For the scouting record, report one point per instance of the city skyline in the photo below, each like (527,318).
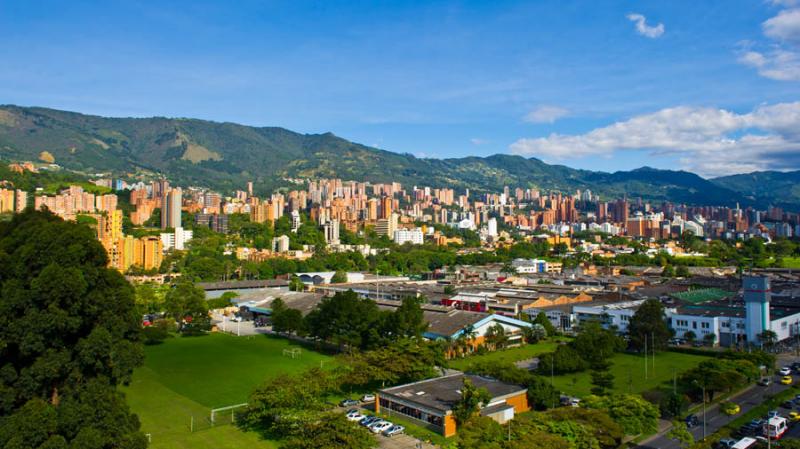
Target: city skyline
(609,87)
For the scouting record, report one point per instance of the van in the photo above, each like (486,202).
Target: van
(775,427)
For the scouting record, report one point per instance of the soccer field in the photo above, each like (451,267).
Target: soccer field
(185,377)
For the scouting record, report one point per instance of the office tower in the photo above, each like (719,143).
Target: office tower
(171,209)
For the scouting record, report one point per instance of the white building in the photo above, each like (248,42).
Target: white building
(280,244)
(413,236)
(492,227)
(176,240)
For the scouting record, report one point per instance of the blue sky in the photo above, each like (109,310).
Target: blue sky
(566,81)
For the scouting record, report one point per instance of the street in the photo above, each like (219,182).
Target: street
(715,420)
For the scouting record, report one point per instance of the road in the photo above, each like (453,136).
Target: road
(716,420)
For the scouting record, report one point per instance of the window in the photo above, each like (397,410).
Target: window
(694,324)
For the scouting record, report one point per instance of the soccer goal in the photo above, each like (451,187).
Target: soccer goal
(225,415)
(292,352)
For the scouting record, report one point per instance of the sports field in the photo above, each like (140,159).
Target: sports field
(629,373)
(185,377)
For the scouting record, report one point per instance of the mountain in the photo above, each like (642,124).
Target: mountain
(225,156)
(778,188)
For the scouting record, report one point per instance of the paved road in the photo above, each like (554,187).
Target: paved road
(716,420)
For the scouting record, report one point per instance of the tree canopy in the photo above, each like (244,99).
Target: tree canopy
(69,334)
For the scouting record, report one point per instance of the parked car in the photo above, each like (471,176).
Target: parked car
(772,414)
(725,443)
(785,371)
(368,398)
(794,416)
(357,416)
(786,380)
(394,430)
(764,381)
(348,403)
(787,404)
(368,420)
(692,421)
(380,427)
(376,422)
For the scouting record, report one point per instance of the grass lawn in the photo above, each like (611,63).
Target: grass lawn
(506,355)
(791,262)
(628,371)
(187,376)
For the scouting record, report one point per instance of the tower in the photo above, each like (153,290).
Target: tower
(756,302)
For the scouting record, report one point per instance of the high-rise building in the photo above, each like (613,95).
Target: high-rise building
(386,207)
(332,232)
(6,200)
(171,208)
(22,200)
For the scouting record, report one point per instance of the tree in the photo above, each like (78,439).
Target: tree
(633,413)
(331,431)
(286,320)
(534,333)
(340,277)
(682,271)
(186,304)
(408,320)
(542,320)
(596,345)
(603,380)
(480,432)
(648,326)
(709,339)
(472,399)
(296,285)
(680,433)
(495,337)
(69,336)
(768,338)
(564,360)
(346,320)
(668,271)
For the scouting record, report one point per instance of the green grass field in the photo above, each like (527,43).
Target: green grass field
(506,355)
(186,377)
(791,262)
(629,373)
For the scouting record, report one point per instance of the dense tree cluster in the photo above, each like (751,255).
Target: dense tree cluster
(562,428)
(591,348)
(69,335)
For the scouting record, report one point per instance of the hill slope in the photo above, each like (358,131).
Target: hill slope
(781,188)
(226,155)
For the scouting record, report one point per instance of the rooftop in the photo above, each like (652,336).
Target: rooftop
(443,393)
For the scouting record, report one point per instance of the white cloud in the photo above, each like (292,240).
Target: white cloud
(545,114)
(781,58)
(643,28)
(478,141)
(708,141)
(785,26)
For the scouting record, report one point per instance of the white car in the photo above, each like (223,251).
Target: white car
(381,426)
(394,430)
(368,398)
(785,371)
(375,423)
(355,417)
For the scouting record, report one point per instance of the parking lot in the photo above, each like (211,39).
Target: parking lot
(397,441)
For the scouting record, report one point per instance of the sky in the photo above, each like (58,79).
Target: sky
(708,86)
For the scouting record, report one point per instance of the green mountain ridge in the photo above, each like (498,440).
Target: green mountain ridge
(224,156)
